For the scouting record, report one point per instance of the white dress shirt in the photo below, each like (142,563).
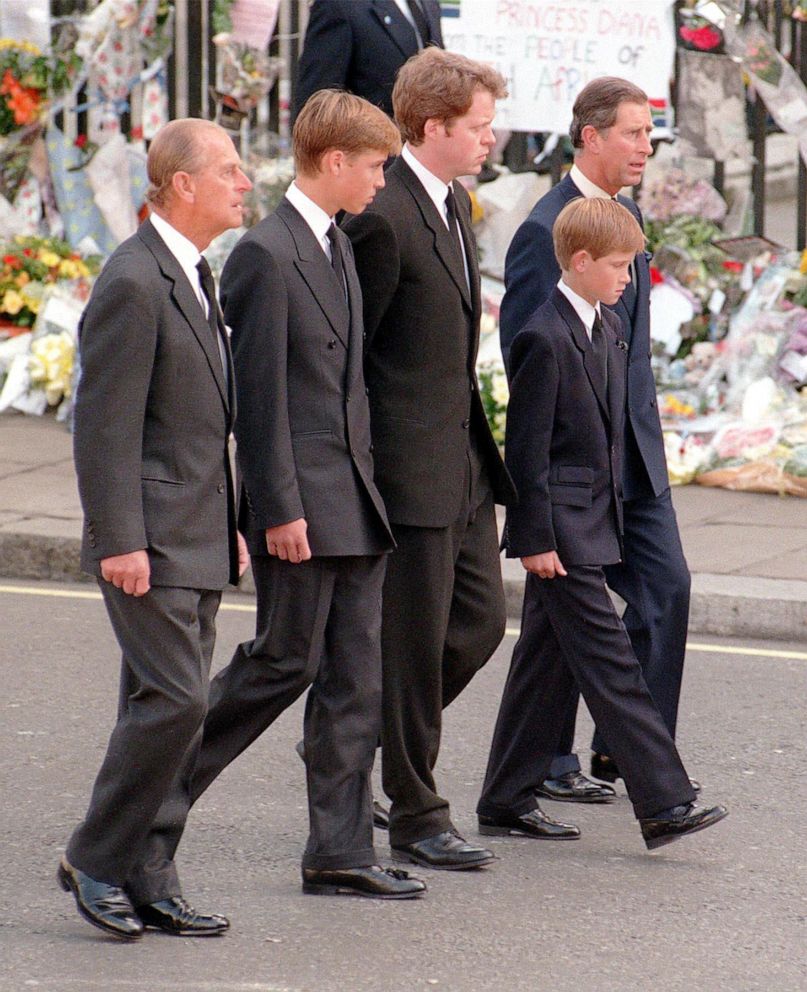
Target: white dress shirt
(584,310)
(313,215)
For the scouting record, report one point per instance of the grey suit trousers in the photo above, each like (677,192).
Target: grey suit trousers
(167,639)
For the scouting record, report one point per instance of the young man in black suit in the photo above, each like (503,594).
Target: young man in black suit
(154,411)
(359,45)
(437,465)
(314,521)
(610,132)
(563,447)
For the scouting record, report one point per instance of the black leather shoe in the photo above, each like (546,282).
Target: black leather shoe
(446,850)
(373,882)
(606,769)
(105,906)
(574,787)
(535,823)
(670,824)
(178,917)
(380,816)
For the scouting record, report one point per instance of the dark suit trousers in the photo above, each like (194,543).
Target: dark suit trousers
(571,636)
(654,581)
(444,616)
(318,624)
(167,639)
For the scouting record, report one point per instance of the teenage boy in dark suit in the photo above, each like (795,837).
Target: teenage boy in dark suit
(564,448)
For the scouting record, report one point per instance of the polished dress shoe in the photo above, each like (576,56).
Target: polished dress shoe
(105,906)
(606,768)
(447,851)
(670,824)
(178,917)
(380,813)
(535,823)
(574,787)
(372,881)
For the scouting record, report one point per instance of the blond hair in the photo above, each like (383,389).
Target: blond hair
(177,147)
(439,84)
(595,225)
(336,119)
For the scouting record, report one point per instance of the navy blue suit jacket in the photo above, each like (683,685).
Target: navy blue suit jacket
(359,45)
(532,272)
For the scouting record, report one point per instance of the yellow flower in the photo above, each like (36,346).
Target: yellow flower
(32,302)
(477,213)
(68,269)
(47,257)
(803,266)
(51,365)
(12,302)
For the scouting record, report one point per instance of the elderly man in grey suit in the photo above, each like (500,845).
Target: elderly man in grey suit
(154,411)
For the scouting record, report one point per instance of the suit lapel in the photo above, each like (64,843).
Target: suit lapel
(313,265)
(578,332)
(187,303)
(355,357)
(396,26)
(469,240)
(443,243)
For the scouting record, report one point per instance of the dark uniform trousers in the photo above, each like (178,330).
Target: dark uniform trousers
(448,581)
(571,636)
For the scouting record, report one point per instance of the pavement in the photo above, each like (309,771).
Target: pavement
(747,551)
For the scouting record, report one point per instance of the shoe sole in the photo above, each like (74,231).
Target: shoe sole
(185,933)
(597,800)
(65,882)
(405,858)
(491,831)
(656,842)
(317,889)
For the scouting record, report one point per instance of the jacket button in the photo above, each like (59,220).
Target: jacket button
(220,487)
(332,343)
(372,449)
(466,424)
(366,391)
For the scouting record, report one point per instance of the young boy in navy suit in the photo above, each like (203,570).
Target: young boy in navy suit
(563,449)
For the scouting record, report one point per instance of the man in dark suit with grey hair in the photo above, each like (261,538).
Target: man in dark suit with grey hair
(154,409)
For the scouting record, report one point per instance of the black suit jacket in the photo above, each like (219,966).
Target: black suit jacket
(564,439)
(422,325)
(154,410)
(359,45)
(303,431)
(532,272)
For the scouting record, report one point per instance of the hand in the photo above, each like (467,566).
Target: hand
(289,541)
(130,572)
(546,565)
(243,554)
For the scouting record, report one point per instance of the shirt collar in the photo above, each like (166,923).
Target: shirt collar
(185,251)
(312,214)
(585,185)
(436,189)
(584,310)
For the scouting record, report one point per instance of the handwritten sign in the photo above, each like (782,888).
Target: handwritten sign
(549,51)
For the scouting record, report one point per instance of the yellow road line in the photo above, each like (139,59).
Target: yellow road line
(512,631)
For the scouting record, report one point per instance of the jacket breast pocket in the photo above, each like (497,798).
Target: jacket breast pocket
(571,485)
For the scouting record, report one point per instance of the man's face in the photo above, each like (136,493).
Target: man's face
(605,278)
(463,143)
(219,186)
(361,176)
(624,148)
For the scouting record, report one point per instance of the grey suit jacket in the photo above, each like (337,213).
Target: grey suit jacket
(154,410)
(303,432)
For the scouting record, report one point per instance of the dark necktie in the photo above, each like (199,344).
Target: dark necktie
(336,259)
(599,348)
(420,21)
(209,289)
(454,231)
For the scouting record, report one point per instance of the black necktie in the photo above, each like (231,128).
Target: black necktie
(454,231)
(599,348)
(420,21)
(209,289)
(336,259)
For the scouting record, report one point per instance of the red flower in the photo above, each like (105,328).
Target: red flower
(655,276)
(80,141)
(703,38)
(731,266)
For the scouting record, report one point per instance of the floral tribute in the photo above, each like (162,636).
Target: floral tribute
(29,264)
(28,79)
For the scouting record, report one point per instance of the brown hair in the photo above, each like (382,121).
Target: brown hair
(595,225)
(177,147)
(439,84)
(598,102)
(336,119)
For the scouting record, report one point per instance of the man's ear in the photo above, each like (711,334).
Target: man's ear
(184,186)
(434,127)
(591,138)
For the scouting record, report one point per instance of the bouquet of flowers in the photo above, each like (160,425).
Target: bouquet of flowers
(29,264)
(28,78)
(495,394)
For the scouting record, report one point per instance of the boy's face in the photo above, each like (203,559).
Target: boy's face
(361,176)
(605,278)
